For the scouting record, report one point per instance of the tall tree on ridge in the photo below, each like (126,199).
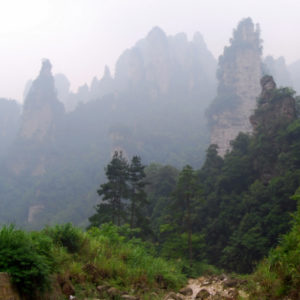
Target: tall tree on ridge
(137,194)
(185,197)
(116,189)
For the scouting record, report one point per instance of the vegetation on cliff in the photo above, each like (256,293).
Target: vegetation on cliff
(277,276)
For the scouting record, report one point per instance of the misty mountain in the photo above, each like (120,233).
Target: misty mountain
(153,106)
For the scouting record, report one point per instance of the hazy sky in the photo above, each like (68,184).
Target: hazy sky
(81,36)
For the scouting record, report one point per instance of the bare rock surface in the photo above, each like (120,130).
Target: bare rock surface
(213,288)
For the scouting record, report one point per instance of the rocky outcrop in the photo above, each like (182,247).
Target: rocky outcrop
(102,87)
(275,111)
(41,108)
(275,106)
(42,114)
(238,74)
(211,287)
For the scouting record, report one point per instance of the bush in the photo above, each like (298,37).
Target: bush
(66,236)
(20,257)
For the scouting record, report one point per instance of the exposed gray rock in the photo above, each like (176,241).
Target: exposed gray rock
(239,74)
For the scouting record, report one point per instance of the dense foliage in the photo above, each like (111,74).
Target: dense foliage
(27,258)
(123,195)
(65,256)
(231,211)
(277,276)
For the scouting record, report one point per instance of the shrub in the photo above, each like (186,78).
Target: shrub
(20,257)
(65,235)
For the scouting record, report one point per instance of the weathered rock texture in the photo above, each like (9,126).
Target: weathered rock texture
(7,291)
(239,73)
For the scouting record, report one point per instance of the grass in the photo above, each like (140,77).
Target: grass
(82,260)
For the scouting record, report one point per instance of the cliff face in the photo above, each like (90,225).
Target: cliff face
(238,74)
(41,114)
(41,107)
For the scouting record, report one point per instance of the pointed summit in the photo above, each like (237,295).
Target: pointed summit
(41,106)
(46,68)
(43,87)
(156,34)
(198,39)
(247,33)
(107,73)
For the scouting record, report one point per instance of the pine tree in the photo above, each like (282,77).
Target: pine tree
(137,194)
(113,192)
(185,198)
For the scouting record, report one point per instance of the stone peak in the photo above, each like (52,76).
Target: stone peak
(268,85)
(246,30)
(156,34)
(46,67)
(106,73)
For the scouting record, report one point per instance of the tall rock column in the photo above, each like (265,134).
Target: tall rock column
(42,112)
(238,74)
(41,107)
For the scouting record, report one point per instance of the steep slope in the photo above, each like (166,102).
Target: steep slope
(238,74)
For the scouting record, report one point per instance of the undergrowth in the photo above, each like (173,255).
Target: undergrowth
(79,261)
